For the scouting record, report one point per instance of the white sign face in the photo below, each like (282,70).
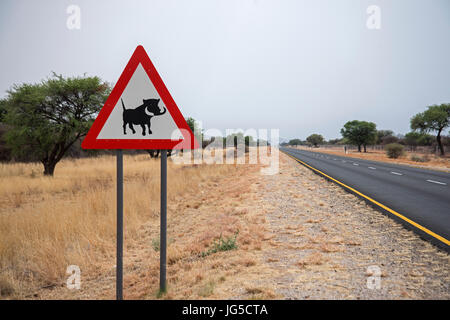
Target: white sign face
(140,113)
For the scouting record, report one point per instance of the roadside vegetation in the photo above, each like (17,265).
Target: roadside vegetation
(49,223)
(315,139)
(394,150)
(364,134)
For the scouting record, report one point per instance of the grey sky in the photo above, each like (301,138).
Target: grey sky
(301,66)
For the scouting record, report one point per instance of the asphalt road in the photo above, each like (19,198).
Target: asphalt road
(420,195)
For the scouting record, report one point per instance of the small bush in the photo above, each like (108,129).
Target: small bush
(155,244)
(222,245)
(394,150)
(417,158)
(207,289)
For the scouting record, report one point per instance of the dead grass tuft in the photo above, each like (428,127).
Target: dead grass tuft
(174,254)
(207,289)
(6,286)
(313,259)
(247,262)
(328,247)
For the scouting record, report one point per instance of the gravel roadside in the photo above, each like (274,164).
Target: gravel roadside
(329,244)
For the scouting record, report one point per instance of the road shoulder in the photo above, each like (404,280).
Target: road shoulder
(328,243)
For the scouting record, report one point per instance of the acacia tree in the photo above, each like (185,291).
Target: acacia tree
(360,133)
(315,139)
(435,118)
(414,139)
(46,118)
(295,142)
(381,134)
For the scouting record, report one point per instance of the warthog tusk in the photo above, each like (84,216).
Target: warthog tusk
(148,113)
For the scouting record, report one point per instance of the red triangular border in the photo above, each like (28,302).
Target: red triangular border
(91,141)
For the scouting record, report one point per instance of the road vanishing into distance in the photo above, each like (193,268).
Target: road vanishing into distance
(421,197)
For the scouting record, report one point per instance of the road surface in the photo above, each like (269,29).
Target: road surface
(420,197)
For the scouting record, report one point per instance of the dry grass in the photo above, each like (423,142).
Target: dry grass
(313,259)
(47,223)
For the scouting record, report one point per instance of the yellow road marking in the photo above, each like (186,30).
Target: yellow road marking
(415,224)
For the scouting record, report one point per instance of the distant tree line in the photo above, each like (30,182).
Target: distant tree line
(362,133)
(46,121)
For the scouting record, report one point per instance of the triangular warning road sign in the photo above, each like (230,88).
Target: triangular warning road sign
(140,113)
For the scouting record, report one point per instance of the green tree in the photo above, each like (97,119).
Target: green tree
(2,110)
(435,118)
(234,139)
(334,141)
(249,141)
(46,118)
(315,139)
(193,125)
(295,142)
(414,139)
(381,134)
(196,130)
(360,133)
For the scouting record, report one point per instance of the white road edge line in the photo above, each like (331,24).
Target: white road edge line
(399,174)
(438,182)
(372,168)
(355,164)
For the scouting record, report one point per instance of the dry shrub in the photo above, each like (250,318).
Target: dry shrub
(252,290)
(260,293)
(6,286)
(247,262)
(319,239)
(241,211)
(418,158)
(328,247)
(394,150)
(207,289)
(175,253)
(245,238)
(313,259)
(336,239)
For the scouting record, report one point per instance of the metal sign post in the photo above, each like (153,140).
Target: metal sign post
(119,254)
(163,230)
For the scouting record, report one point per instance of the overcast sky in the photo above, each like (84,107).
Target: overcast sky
(301,66)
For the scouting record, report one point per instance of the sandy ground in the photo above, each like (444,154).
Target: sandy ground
(300,237)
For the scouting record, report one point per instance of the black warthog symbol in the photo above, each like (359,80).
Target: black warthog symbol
(141,115)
